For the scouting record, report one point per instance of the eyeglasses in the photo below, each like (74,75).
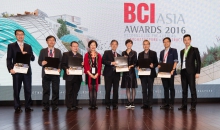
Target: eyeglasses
(19,34)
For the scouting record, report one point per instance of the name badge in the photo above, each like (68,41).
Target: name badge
(93,70)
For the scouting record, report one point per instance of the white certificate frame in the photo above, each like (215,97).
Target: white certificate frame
(144,71)
(21,68)
(164,75)
(75,71)
(51,71)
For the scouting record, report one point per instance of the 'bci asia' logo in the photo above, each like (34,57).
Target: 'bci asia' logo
(138,12)
(145,13)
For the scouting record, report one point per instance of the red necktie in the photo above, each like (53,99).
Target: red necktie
(114,54)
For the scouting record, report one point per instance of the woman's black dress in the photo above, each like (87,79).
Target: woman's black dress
(129,79)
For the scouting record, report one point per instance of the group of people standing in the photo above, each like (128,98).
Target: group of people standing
(92,63)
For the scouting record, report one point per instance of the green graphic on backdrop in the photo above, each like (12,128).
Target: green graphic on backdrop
(7,28)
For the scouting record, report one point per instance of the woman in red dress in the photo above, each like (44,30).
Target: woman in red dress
(92,69)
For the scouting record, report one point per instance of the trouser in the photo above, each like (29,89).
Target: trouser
(111,81)
(18,78)
(47,80)
(72,89)
(168,85)
(147,89)
(188,80)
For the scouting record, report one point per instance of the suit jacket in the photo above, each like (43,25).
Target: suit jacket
(153,57)
(13,48)
(44,53)
(107,58)
(193,61)
(65,65)
(171,58)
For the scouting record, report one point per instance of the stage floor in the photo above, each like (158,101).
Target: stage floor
(206,117)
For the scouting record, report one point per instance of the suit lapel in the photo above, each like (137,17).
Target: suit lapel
(162,54)
(46,52)
(169,53)
(190,51)
(142,55)
(71,53)
(17,47)
(25,48)
(181,54)
(112,55)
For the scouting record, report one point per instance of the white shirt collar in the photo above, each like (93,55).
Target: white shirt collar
(113,51)
(188,47)
(20,43)
(50,48)
(167,49)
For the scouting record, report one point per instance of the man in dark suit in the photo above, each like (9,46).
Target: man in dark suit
(147,81)
(73,82)
(47,79)
(190,70)
(168,55)
(18,78)
(111,77)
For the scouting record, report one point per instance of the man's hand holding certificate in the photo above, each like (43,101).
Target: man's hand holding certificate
(22,63)
(165,70)
(144,67)
(51,66)
(75,66)
(121,64)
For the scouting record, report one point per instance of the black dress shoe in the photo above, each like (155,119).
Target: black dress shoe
(18,110)
(192,109)
(107,107)
(149,107)
(90,107)
(182,108)
(28,109)
(96,107)
(115,107)
(55,108)
(171,107)
(78,107)
(46,109)
(144,107)
(164,106)
(71,109)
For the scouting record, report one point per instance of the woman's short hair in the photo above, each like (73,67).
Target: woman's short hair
(128,41)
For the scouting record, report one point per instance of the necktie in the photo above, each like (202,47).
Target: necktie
(51,53)
(114,54)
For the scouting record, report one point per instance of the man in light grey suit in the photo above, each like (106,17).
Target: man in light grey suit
(47,79)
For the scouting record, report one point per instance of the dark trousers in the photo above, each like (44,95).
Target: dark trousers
(147,89)
(168,85)
(17,82)
(109,82)
(188,80)
(47,80)
(72,89)
(92,95)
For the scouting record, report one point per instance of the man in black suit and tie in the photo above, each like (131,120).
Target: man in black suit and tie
(147,81)
(190,70)
(47,79)
(73,82)
(168,55)
(111,77)
(18,78)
